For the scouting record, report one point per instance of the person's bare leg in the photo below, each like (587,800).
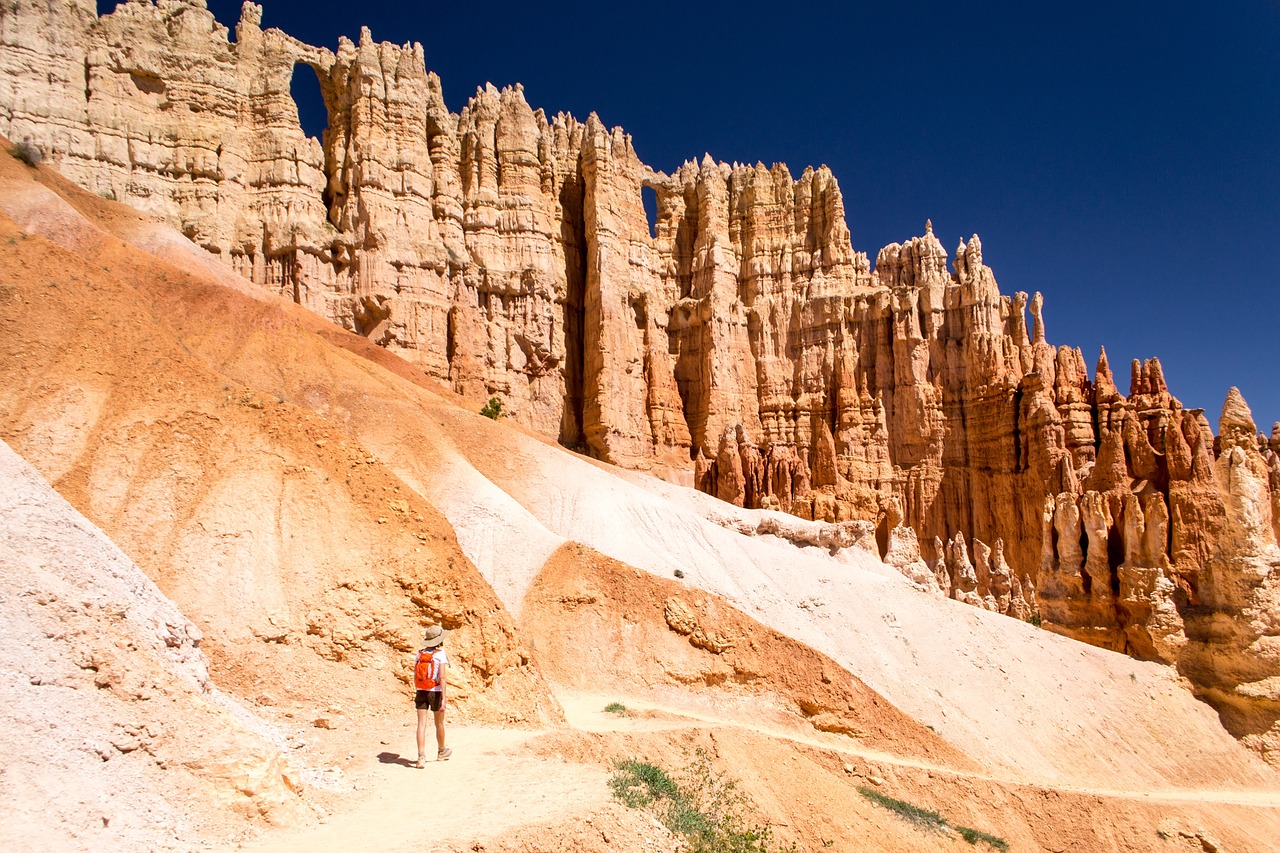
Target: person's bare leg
(440,730)
(422,731)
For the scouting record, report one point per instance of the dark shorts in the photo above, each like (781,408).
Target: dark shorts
(428,700)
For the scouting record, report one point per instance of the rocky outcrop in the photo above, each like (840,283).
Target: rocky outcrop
(738,339)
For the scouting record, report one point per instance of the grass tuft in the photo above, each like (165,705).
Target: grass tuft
(932,821)
(922,818)
(973,836)
(616,708)
(637,784)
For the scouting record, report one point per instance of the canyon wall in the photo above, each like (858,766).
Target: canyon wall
(738,339)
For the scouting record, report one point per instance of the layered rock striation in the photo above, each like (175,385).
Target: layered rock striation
(738,339)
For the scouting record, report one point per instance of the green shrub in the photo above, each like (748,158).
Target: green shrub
(708,812)
(27,153)
(1035,619)
(492,409)
(922,818)
(973,836)
(637,784)
(616,708)
(933,821)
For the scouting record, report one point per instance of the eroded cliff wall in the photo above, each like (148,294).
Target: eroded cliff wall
(739,338)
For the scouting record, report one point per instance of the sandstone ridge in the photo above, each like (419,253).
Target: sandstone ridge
(739,340)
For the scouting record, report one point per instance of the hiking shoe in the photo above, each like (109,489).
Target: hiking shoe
(422,762)
(443,755)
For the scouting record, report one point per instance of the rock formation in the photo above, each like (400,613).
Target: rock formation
(739,338)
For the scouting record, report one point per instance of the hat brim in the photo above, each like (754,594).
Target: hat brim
(433,642)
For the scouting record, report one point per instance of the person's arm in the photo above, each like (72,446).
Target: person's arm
(441,660)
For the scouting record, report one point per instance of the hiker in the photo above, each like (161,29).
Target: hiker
(429,679)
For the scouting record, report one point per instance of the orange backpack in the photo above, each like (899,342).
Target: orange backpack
(423,669)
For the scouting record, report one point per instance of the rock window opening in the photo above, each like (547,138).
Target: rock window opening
(649,198)
(313,115)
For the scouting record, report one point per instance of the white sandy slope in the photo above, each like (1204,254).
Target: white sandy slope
(109,731)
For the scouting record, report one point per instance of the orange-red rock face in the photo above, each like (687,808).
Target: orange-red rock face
(739,337)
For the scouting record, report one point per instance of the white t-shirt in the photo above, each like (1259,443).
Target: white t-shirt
(439,660)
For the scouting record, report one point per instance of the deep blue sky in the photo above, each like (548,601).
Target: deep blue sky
(1122,158)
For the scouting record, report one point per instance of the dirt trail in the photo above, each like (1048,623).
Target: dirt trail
(490,788)
(505,789)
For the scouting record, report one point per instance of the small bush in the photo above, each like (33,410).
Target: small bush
(616,708)
(679,573)
(1035,619)
(492,409)
(637,784)
(27,153)
(709,812)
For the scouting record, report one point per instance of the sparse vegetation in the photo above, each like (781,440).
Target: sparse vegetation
(922,818)
(616,708)
(932,821)
(973,836)
(1035,619)
(27,153)
(679,573)
(109,195)
(707,811)
(492,409)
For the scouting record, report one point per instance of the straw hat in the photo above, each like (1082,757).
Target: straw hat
(434,637)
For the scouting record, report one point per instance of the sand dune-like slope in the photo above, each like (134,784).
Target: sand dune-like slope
(601,626)
(110,732)
(310,500)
